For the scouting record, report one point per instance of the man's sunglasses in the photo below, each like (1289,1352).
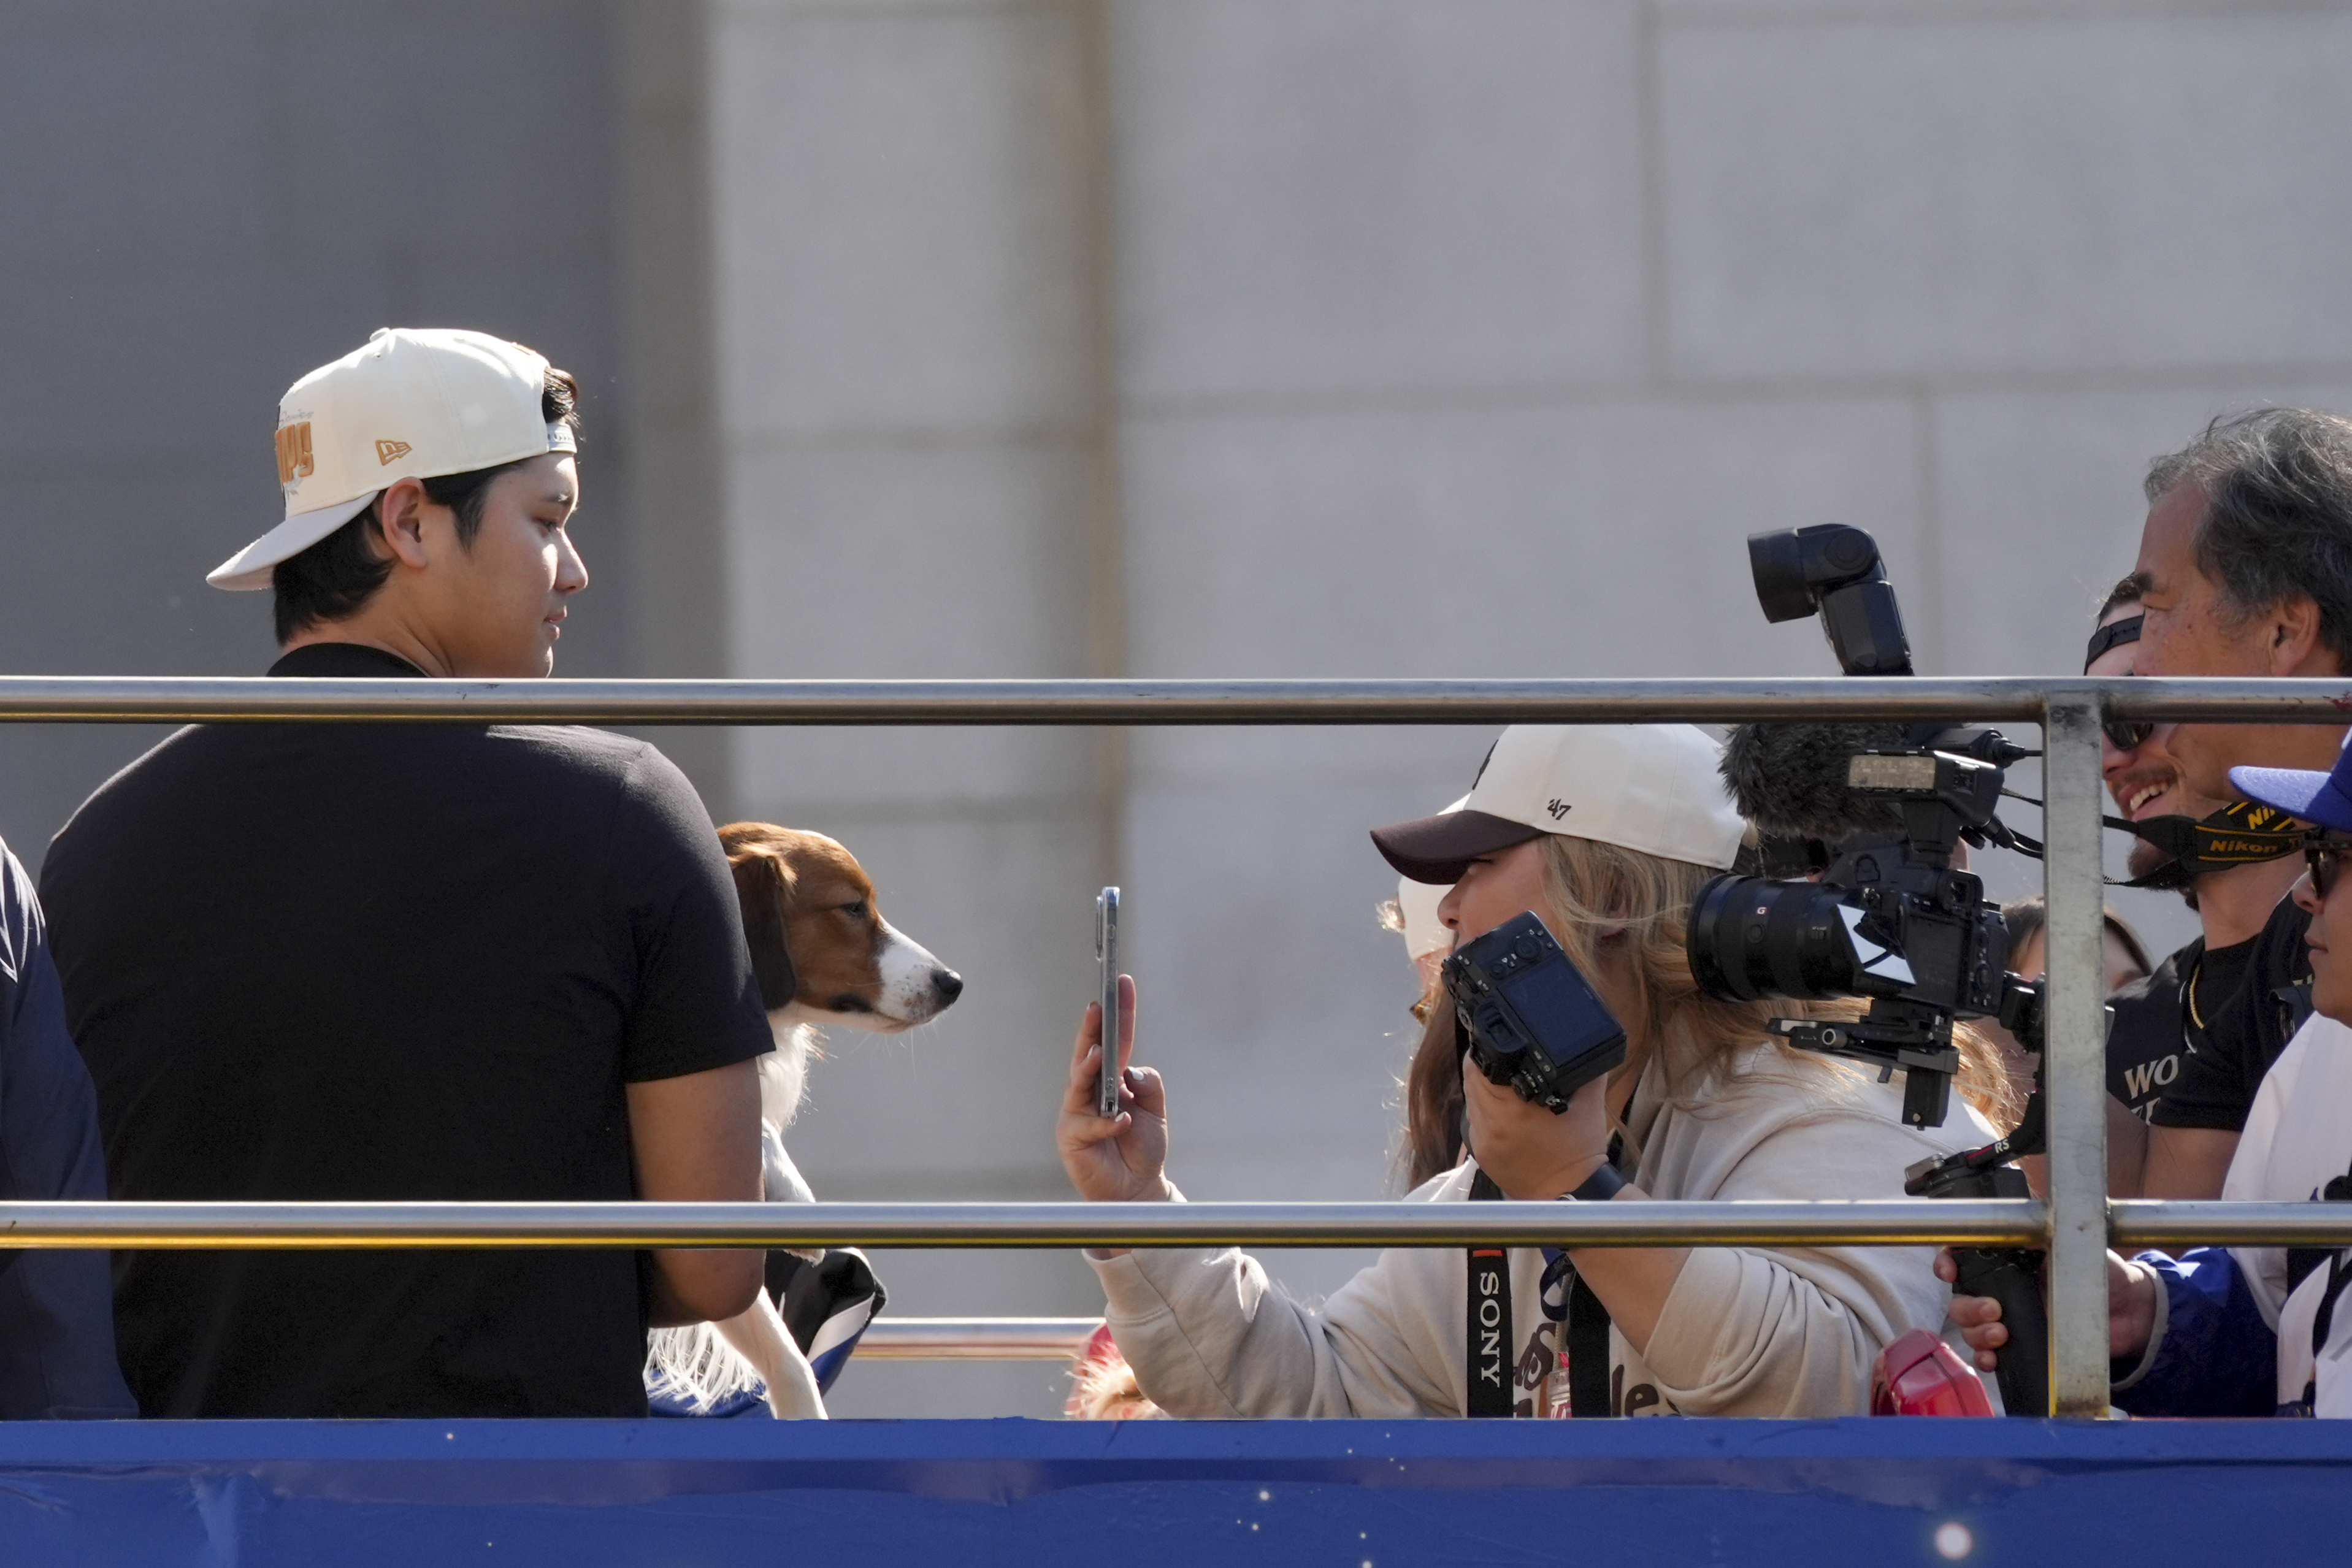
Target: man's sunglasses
(2123,734)
(2325,854)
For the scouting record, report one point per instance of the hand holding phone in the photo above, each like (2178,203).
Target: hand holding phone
(1107,958)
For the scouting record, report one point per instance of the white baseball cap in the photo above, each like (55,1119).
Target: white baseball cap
(415,403)
(1654,788)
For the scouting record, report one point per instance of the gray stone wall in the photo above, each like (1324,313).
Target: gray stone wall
(904,292)
(202,203)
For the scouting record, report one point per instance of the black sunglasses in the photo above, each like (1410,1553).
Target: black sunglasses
(2323,854)
(2123,734)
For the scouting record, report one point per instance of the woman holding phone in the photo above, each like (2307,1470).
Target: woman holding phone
(1605,832)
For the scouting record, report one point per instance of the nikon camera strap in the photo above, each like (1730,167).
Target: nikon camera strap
(1488,1350)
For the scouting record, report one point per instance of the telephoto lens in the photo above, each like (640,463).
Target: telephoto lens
(1750,938)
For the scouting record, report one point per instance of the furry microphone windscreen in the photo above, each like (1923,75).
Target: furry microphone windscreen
(1790,779)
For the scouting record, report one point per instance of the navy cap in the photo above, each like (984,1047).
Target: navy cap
(2322,798)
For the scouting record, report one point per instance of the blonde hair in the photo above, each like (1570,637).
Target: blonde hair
(1623,916)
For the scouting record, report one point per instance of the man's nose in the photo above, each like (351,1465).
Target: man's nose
(571,570)
(2305,896)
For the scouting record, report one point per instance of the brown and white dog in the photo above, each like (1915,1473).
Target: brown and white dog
(824,956)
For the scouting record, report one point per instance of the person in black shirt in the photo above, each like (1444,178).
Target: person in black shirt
(2240,1005)
(2153,1034)
(385,961)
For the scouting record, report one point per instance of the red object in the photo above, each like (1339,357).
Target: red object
(1105,1389)
(1919,1376)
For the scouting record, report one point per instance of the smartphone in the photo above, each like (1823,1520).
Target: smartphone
(1107,957)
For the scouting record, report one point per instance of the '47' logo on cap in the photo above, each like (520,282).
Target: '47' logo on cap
(1558,808)
(387,452)
(294,452)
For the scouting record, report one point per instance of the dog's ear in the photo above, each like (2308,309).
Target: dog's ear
(763,887)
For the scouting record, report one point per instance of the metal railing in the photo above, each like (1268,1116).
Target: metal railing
(2075,1225)
(975,1339)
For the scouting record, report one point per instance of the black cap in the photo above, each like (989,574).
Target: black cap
(2114,634)
(1440,849)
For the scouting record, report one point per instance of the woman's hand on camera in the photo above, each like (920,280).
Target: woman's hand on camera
(1531,1152)
(1121,1159)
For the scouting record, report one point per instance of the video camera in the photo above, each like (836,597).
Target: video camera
(1889,917)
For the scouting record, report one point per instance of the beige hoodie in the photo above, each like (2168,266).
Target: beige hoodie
(1792,1331)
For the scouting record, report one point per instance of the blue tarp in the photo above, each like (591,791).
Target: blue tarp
(1293,1494)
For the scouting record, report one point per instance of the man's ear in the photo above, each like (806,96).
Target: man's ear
(763,886)
(400,514)
(2295,648)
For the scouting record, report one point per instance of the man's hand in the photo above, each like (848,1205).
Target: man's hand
(1121,1159)
(2131,1312)
(1531,1152)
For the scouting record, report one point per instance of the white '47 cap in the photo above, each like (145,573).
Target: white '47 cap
(415,403)
(1654,788)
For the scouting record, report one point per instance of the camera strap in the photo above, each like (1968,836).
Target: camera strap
(2240,833)
(1488,1350)
(1584,1335)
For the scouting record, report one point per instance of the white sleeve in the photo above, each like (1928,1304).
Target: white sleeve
(1209,1335)
(2290,1145)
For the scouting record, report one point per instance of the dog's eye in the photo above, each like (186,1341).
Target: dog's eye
(854,911)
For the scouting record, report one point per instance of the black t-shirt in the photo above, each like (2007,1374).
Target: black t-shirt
(2145,1044)
(371,961)
(2238,1007)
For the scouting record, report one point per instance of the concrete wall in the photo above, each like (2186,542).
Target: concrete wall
(906,265)
(198,203)
(1444,338)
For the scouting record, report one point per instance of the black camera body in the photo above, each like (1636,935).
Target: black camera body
(1533,1022)
(1890,919)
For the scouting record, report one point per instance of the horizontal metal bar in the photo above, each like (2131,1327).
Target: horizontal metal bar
(2138,1223)
(183,699)
(974,1339)
(1987,1222)
(1890,1222)
(1984,1222)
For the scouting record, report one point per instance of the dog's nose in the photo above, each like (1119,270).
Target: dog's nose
(947,983)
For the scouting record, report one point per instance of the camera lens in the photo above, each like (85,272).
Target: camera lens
(1750,938)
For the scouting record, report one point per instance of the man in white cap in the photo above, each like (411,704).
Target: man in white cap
(397,961)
